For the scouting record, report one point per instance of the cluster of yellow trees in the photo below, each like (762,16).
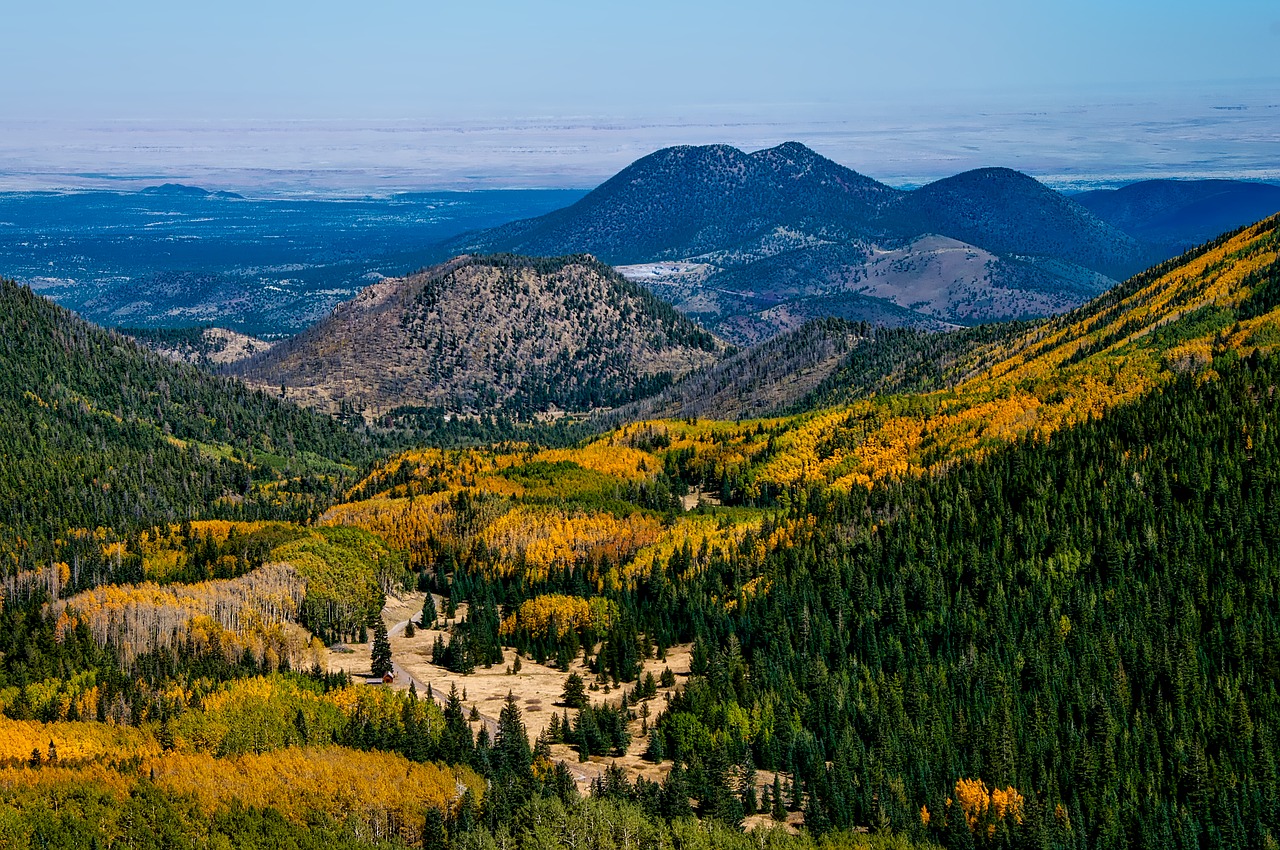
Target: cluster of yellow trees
(979,803)
(541,614)
(73,742)
(542,537)
(255,612)
(385,793)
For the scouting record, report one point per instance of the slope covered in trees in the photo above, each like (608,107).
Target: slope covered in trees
(483,334)
(1083,619)
(1020,594)
(757,381)
(95,431)
(752,245)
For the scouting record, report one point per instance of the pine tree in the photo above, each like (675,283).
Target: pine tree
(656,751)
(434,836)
(575,691)
(511,747)
(381,649)
(456,742)
(779,810)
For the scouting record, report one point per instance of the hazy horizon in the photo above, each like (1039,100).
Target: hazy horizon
(313,98)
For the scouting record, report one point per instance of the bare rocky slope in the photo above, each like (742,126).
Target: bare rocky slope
(521,335)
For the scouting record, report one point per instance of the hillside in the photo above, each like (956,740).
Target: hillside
(1177,214)
(753,245)
(1010,214)
(1013,589)
(688,201)
(208,348)
(97,432)
(481,334)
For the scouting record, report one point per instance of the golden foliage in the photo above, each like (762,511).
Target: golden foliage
(566,613)
(386,792)
(255,612)
(704,536)
(607,458)
(975,801)
(542,538)
(75,742)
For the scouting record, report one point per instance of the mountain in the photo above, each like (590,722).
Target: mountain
(688,201)
(1010,214)
(752,245)
(479,334)
(1177,214)
(98,432)
(182,190)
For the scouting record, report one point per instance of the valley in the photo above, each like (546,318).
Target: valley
(593,426)
(856,586)
(263,267)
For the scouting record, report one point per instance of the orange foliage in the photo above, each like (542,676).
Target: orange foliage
(975,801)
(545,537)
(75,742)
(410,523)
(386,792)
(706,537)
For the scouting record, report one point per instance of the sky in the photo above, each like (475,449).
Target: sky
(90,84)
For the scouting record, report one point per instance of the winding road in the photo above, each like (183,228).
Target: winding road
(491,724)
(403,675)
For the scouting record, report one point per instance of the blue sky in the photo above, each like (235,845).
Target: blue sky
(236,59)
(287,97)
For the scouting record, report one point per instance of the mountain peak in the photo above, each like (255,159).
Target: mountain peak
(684,201)
(789,150)
(524,334)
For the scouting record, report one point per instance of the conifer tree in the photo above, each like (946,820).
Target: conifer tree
(381,649)
(511,746)
(575,691)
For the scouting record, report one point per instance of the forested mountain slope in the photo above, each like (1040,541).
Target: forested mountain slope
(1178,214)
(752,245)
(1083,621)
(756,381)
(1019,595)
(481,334)
(95,431)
